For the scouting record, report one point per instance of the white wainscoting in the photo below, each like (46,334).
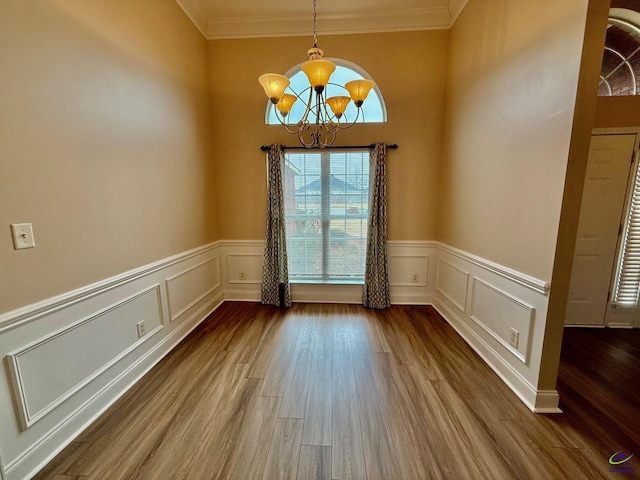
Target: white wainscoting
(189,287)
(242,275)
(490,306)
(82,350)
(67,359)
(70,357)
(483,301)
(452,282)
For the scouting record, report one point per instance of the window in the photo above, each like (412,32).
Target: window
(326,196)
(372,110)
(620,74)
(627,280)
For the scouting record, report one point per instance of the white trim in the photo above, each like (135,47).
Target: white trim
(394,20)
(537,401)
(426,270)
(413,243)
(3,475)
(195,14)
(584,326)
(66,422)
(243,282)
(615,131)
(168,281)
(547,402)
(455,9)
(403,298)
(524,358)
(29,313)
(242,295)
(242,243)
(447,295)
(533,283)
(28,418)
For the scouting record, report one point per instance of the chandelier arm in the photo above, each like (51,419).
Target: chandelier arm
(306,128)
(338,85)
(286,125)
(346,125)
(308,105)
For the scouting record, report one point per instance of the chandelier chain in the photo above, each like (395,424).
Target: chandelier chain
(315,28)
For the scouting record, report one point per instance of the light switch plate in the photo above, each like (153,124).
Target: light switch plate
(22,234)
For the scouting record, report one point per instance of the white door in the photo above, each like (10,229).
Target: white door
(603,202)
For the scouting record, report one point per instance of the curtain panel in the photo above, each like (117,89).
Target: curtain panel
(376,275)
(275,276)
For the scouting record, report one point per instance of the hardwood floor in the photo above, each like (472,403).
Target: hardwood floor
(341,392)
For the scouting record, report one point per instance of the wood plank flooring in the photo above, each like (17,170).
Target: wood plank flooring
(341,392)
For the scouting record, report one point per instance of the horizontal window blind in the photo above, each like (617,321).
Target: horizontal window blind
(326,196)
(627,281)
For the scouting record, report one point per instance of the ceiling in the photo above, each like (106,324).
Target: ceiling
(218,19)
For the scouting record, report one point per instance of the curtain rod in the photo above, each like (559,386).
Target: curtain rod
(393,146)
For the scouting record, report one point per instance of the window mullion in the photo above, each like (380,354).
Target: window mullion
(325,165)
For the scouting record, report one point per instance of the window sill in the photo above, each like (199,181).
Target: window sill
(326,282)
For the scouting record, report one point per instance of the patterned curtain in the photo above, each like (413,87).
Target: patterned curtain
(376,276)
(275,275)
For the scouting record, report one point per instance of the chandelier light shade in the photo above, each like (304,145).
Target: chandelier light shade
(286,103)
(274,85)
(359,89)
(338,105)
(323,117)
(318,71)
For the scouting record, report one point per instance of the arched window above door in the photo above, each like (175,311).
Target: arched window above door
(620,74)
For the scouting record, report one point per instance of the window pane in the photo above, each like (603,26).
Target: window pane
(620,71)
(301,184)
(326,200)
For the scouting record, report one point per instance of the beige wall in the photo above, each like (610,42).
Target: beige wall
(105,134)
(617,112)
(410,71)
(511,96)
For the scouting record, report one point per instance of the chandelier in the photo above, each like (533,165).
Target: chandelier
(323,117)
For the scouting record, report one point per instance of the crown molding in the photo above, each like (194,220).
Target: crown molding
(455,8)
(195,14)
(260,26)
(299,25)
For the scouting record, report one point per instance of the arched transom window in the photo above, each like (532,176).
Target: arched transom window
(373,109)
(620,74)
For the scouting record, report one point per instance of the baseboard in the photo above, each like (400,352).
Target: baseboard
(411,298)
(536,401)
(242,295)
